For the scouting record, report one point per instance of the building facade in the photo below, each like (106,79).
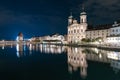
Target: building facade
(77,59)
(50,39)
(19,37)
(99,31)
(114,38)
(77,31)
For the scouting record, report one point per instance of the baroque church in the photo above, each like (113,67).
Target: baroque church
(77,29)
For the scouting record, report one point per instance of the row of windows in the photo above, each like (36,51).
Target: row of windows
(102,31)
(114,39)
(75,31)
(98,34)
(75,58)
(115,30)
(115,64)
(72,37)
(93,37)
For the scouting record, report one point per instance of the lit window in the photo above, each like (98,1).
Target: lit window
(113,30)
(68,32)
(116,30)
(81,30)
(74,58)
(71,32)
(74,31)
(77,31)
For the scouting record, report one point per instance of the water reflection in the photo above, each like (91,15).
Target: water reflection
(104,56)
(30,48)
(46,48)
(116,65)
(99,55)
(77,59)
(19,48)
(113,55)
(54,49)
(3,46)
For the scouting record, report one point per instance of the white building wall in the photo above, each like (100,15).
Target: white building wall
(92,34)
(115,30)
(76,32)
(114,37)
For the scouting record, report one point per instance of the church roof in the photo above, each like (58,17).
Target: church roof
(83,13)
(20,34)
(71,16)
(99,27)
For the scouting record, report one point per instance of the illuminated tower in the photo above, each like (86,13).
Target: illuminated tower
(20,37)
(77,31)
(70,20)
(83,18)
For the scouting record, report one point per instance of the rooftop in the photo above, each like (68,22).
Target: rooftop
(99,27)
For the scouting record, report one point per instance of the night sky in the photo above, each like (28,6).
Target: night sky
(46,17)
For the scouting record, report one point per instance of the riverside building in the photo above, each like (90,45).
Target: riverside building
(76,30)
(81,30)
(99,31)
(114,38)
(56,38)
(19,37)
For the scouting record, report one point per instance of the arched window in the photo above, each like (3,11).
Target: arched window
(81,20)
(74,31)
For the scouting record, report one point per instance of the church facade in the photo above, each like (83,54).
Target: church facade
(81,30)
(77,30)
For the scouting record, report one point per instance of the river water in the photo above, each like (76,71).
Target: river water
(51,62)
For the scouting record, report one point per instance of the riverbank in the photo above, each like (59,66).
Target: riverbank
(70,45)
(100,46)
(92,46)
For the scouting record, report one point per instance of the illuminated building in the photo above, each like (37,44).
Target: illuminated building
(20,37)
(116,65)
(115,29)
(113,55)
(76,31)
(99,31)
(56,38)
(77,59)
(19,50)
(114,38)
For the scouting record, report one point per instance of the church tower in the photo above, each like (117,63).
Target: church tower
(83,18)
(70,20)
(77,31)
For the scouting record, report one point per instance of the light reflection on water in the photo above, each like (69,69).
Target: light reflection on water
(77,57)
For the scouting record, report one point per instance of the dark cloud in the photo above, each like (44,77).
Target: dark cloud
(105,11)
(44,17)
(30,24)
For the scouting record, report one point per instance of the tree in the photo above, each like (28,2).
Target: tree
(86,40)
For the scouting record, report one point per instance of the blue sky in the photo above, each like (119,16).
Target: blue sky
(46,17)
